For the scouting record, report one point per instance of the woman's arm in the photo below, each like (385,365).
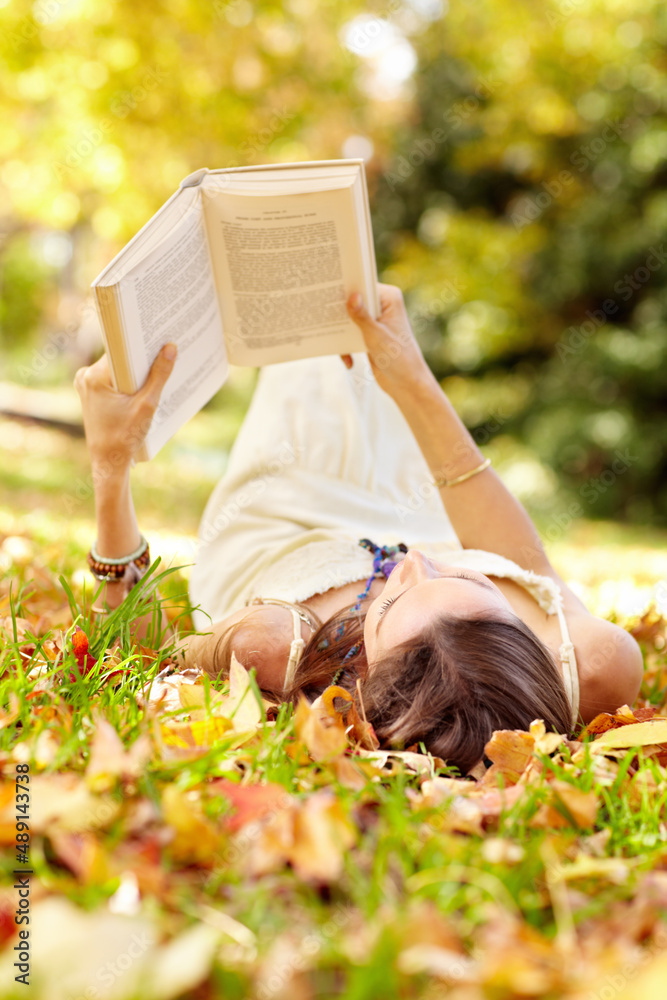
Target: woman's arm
(483,512)
(116,426)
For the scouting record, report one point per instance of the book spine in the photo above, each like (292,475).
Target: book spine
(116,347)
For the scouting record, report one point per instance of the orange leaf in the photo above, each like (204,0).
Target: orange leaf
(251,802)
(510,750)
(322,834)
(79,644)
(323,736)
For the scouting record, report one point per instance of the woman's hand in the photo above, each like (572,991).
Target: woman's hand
(116,424)
(395,356)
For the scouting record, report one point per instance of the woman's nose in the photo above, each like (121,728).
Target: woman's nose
(416,567)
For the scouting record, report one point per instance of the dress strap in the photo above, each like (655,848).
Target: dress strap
(568,662)
(299,614)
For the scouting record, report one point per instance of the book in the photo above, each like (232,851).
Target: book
(243,266)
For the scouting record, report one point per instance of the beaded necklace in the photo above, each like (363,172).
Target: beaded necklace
(385,558)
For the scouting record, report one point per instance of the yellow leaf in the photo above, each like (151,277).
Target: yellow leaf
(324,736)
(389,761)
(643,734)
(196,839)
(241,706)
(200,733)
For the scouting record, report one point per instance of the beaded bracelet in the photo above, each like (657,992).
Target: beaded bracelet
(108,569)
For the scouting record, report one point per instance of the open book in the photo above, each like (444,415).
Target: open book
(248,266)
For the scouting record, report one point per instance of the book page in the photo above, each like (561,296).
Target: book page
(170,296)
(284,267)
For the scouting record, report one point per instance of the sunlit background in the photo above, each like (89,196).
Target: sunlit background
(516,159)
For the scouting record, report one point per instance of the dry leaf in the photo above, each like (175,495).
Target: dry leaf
(578,808)
(196,840)
(337,701)
(241,705)
(390,761)
(109,760)
(198,735)
(323,735)
(312,836)
(251,802)
(322,835)
(510,750)
(641,734)
(62,801)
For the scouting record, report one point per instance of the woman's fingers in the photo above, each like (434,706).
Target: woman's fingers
(98,374)
(347,360)
(370,327)
(393,352)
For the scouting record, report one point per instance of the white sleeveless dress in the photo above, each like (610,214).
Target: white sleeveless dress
(324,458)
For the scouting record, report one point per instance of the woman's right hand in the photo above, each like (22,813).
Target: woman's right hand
(395,356)
(116,424)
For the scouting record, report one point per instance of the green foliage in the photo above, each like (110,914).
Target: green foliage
(517,187)
(523,212)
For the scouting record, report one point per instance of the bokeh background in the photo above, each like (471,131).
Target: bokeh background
(516,157)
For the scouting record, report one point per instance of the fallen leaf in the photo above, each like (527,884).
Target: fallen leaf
(312,836)
(63,801)
(577,808)
(641,734)
(109,760)
(323,735)
(251,802)
(194,735)
(337,701)
(391,761)
(322,835)
(84,661)
(510,750)
(241,706)
(196,840)
(623,717)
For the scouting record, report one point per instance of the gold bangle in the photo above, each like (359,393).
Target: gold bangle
(466,475)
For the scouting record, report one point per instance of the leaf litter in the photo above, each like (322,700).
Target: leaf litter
(188,839)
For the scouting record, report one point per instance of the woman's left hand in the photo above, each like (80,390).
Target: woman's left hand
(116,424)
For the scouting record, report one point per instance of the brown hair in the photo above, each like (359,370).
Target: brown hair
(448,688)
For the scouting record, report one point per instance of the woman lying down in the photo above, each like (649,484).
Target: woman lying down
(359,535)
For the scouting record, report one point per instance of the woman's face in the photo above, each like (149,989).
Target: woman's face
(417,592)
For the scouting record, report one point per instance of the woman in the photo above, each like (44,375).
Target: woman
(449,623)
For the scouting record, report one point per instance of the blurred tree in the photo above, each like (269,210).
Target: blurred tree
(105,107)
(523,211)
(517,184)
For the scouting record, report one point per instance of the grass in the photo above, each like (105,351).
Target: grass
(208,847)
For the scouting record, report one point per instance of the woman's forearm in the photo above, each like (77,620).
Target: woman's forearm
(117,529)
(483,512)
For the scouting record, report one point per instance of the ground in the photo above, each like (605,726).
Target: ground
(188,841)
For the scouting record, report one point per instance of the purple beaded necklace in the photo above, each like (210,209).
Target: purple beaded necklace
(384,561)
